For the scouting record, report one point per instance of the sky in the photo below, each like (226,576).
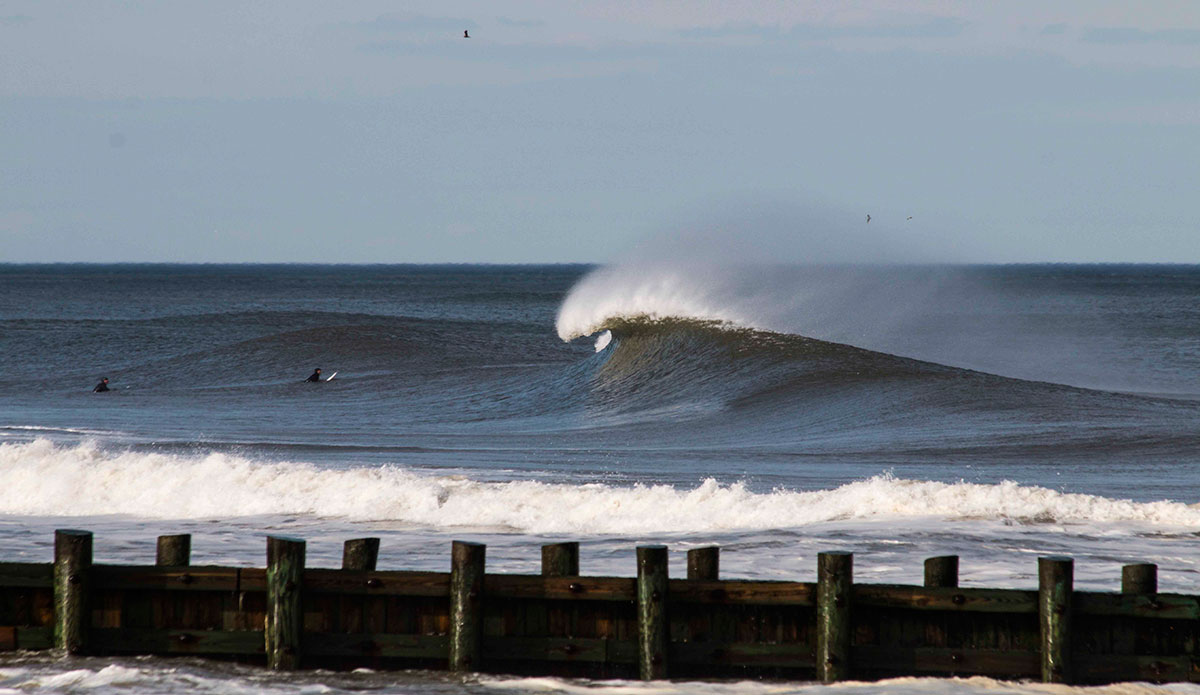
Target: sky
(564,131)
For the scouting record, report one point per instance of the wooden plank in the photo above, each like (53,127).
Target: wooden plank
(654,634)
(562,649)
(946,598)
(35,638)
(835,580)
(466,605)
(34,575)
(285,585)
(1001,663)
(252,579)
(360,554)
(1055,588)
(174,551)
(1109,668)
(145,578)
(156,641)
(732,654)
(376,645)
(763,593)
(704,563)
(369,583)
(1173,606)
(8,639)
(504,586)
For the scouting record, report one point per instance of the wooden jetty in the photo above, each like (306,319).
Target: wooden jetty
(288,616)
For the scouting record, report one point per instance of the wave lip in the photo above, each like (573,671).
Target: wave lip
(43,478)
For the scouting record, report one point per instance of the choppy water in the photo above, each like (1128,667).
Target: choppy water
(994,412)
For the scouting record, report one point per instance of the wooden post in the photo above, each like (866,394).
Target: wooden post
(1055,585)
(941,572)
(835,577)
(653,628)
(174,551)
(560,560)
(285,621)
(360,554)
(1141,578)
(466,605)
(72,589)
(704,563)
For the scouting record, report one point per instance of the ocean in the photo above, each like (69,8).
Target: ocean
(994,412)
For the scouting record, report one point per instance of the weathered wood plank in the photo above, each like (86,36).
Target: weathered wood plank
(1173,606)
(33,575)
(1000,663)
(835,577)
(360,554)
(504,586)
(946,599)
(704,563)
(372,583)
(760,654)
(377,645)
(174,551)
(1055,586)
(941,571)
(763,593)
(147,578)
(560,559)
(1140,578)
(157,641)
(35,638)
(561,649)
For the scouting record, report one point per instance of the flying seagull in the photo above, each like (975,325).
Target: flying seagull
(868,219)
(910,217)
(465,34)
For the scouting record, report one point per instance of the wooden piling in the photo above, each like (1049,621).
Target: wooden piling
(72,589)
(174,551)
(285,621)
(466,605)
(1055,586)
(560,560)
(835,576)
(704,563)
(653,628)
(941,572)
(1141,578)
(360,554)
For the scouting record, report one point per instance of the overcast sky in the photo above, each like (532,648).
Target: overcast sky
(562,131)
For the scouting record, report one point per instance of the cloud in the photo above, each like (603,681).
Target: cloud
(1129,35)
(1054,29)
(13,20)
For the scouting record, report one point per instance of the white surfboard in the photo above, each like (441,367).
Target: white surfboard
(331,376)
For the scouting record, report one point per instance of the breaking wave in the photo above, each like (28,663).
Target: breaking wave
(43,478)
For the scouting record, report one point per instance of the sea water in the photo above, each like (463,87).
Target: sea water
(994,412)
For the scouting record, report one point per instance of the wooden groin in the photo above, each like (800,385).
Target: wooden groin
(288,616)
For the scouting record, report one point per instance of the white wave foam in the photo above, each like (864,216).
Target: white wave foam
(44,479)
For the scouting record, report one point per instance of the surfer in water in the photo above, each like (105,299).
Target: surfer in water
(315,376)
(102,386)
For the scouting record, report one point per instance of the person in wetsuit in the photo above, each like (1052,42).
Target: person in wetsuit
(315,376)
(102,386)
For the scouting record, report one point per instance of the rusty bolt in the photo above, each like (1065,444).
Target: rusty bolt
(74,578)
(185,578)
(839,600)
(184,638)
(655,596)
(656,659)
(958,599)
(374,583)
(473,594)
(570,649)
(575,588)
(956,658)
(1060,609)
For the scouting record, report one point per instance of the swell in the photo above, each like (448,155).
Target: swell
(43,478)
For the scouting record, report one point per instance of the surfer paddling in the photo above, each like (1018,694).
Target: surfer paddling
(102,386)
(315,376)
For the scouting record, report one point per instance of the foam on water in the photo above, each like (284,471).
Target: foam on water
(44,478)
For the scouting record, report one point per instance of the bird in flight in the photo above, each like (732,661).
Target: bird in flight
(910,217)
(868,219)
(465,34)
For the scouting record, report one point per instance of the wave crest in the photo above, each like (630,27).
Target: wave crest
(42,478)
